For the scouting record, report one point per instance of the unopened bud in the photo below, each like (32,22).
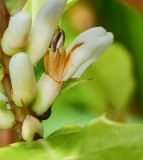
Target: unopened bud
(23,79)
(15,36)
(30,127)
(7,118)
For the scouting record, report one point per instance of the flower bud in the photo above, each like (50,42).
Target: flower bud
(14,6)
(44,28)
(86,49)
(22,79)
(48,89)
(15,36)
(30,127)
(7,117)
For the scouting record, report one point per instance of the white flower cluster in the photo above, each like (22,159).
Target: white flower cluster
(27,44)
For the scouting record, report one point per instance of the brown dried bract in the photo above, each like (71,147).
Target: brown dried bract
(56,63)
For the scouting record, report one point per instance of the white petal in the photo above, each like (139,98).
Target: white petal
(14,38)
(44,28)
(94,47)
(23,79)
(48,89)
(89,34)
(30,127)
(83,67)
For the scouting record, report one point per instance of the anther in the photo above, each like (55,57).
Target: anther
(58,40)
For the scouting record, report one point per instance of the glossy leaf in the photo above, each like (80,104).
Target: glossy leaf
(100,139)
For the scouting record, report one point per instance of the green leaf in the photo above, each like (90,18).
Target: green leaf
(101,139)
(64,114)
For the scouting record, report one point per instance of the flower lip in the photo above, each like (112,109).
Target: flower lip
(87,53)
(86,36)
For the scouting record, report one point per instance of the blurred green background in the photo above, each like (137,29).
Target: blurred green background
(115,87)
(112,87)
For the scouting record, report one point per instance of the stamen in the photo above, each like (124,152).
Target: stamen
(58,40)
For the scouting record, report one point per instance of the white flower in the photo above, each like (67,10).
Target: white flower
(84,50)
(61,64)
